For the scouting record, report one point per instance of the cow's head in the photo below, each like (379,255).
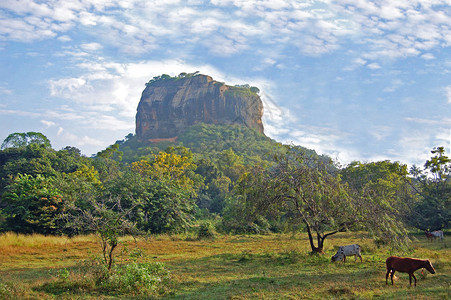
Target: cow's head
(337,257)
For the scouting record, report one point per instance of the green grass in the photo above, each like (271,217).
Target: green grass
(273,266)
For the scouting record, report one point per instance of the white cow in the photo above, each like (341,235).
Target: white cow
(348,250)
(438,234)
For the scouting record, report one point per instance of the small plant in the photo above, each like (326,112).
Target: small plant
(341,291)
(93,276)
(290,257)
(139,278)
(206,231)
(6,291)
(63,274)
(245,256)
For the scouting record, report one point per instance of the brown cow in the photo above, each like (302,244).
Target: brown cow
(406,265)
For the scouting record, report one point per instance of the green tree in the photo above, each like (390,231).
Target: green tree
(79,189)
(384,198)
(433,187)
(217,186)
(17,140)
(307,192)
(301,190)
(230,164)
(105,218)
(107,163)
(166,192)
(37,159)
(246,208)
(32,205)
(219,190)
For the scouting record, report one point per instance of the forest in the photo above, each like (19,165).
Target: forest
(216,179)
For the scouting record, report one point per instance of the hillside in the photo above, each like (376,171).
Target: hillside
(208,140)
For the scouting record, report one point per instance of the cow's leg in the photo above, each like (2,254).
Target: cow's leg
(344,258)
(415,284)
(386,276)
(392,274)
(361,260)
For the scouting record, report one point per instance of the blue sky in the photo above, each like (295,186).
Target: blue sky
(353,79)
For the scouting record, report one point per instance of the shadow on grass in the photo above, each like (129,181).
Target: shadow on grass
(272,276)
(300,285)
(279,275)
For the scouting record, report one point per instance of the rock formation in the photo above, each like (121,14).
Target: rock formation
(169,105)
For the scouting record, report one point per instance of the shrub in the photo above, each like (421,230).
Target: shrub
(149,279)
(290,257)
(206,231)
(6,292)
(140,278)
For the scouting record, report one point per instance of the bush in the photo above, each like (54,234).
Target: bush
(140,278)
(149,279)
(206,231)
(6,292)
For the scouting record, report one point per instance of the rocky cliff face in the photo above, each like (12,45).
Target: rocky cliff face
(168,105)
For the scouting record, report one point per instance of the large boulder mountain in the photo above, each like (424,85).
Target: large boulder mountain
(169,105)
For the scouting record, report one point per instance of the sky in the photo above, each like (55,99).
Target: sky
(355,80)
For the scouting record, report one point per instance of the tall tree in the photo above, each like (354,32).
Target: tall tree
(166,191)
(305,192)
(104,217)
(17,140)
(433,186)
(107,163)
(384,198)
(32,205)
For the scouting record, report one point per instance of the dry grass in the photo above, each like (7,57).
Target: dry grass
(235,267)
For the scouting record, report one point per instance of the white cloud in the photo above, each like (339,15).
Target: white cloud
(80,141)
(386,28)
(428,56)
(448,93)
(417,141)
(444,121)
(395,85)
(48,123)
(374,66)
(91,46)
(5,91)
(66,86)
(22,113)
(381,132)
(64,38)
(325,141)
(359,61)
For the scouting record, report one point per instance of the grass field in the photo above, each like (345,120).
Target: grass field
(275,266)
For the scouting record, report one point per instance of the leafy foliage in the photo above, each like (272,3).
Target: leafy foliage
(17,140)
(32,204)
(234,174)
(433,209)
(295,190)
(139,279)
(384,198)
(107,220)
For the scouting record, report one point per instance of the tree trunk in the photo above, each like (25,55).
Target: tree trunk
(110,262)
(320,242)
